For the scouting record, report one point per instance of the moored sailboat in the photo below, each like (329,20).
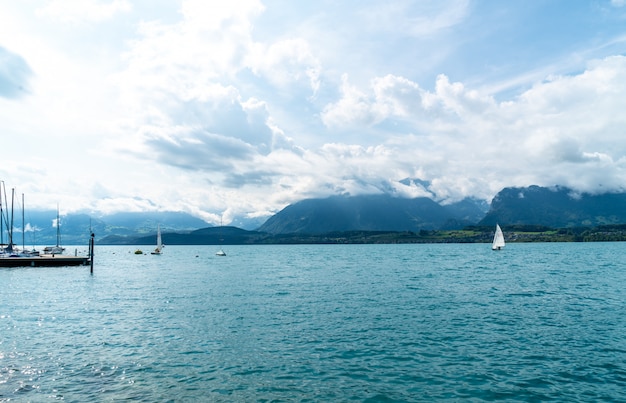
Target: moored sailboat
(57,249)
(10,256)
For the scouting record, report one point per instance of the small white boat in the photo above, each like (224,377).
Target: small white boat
(498,239)
(220,252)
(159,244)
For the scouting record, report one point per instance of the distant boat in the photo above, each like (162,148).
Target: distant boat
(159,244)
(221,251)
(138,252)
(498,239)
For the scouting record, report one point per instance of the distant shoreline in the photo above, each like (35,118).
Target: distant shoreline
(470,234)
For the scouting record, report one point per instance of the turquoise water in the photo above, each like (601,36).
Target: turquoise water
(330,323)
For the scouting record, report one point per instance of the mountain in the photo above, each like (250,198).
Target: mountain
(557,207)
(205,236)
(248,223)
(465,212)
(146,222)
(371,213)
(76,227)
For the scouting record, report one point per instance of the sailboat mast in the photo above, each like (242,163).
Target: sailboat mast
(58,227)
(5,214)
(23,226)
(12,216)
(1,216)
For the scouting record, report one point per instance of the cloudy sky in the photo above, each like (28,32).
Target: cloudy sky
(239,108)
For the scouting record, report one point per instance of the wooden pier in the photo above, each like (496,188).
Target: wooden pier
(44,261)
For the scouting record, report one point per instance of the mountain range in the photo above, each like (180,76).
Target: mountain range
(40,226)
(557,207)
(373,213)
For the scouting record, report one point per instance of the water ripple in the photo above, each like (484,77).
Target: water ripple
(369,323)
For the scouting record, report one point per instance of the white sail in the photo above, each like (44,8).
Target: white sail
(498,239)
(159,244)
(221,251)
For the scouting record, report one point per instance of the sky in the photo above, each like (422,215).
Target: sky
(237,109)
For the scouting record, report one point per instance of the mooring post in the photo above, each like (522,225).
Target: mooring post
(91,242)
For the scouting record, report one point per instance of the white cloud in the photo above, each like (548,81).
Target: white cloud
(245,106)
(81,11)
(354,107)
(570,122)
(415,18)
(286,62)
(232,16)
(461,140)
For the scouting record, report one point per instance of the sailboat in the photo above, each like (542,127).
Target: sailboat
(10,256)
(159,244)
(58,249)
(221,251)
(498,239)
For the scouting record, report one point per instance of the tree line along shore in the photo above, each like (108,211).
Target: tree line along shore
(470,234)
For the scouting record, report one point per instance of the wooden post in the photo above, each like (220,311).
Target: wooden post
(91,242)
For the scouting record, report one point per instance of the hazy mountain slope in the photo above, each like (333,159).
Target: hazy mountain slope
(206,236)
(367,212)
(557,207)
(147,221)
(75,227)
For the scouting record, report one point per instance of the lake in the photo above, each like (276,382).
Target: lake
(312,323)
